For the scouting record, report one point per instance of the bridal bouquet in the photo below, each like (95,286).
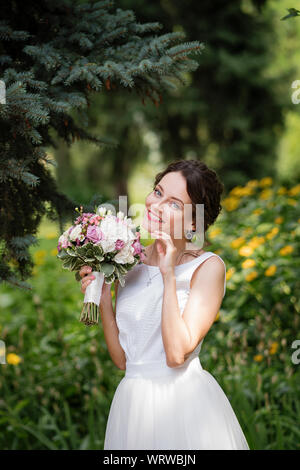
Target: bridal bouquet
(109,244)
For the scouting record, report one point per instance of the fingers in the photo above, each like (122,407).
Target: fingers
(164,237)
(85,270)
(88,278)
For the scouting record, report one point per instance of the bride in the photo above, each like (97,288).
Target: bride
(166,400)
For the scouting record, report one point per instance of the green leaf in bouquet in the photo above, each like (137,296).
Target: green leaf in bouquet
(89,260)
(67,262)
(110,279)
(62,254)
(99,258)
(81,250)
(119,276)
(107,269)
(71,252)
(122,269)
(98,250)
(122,281)
(76,265)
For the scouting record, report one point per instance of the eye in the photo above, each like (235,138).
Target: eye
(178,207)
(157,190)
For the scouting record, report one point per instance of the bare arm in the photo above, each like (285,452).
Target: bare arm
(182,333)
(110,328)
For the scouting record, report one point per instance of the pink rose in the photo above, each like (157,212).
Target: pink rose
(65,244)
(94,233)
(119,244)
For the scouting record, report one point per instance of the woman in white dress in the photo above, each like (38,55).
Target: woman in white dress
(166,400)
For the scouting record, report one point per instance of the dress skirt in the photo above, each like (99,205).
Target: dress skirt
(159,407)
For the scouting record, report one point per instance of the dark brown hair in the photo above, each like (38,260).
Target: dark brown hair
(203,187)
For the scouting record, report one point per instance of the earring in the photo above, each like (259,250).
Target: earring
(189,234)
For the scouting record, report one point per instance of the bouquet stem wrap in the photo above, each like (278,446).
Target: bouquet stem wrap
(90,311)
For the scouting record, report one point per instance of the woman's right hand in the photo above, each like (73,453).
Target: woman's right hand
(87,277)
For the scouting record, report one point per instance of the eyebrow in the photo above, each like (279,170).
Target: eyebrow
(158,185)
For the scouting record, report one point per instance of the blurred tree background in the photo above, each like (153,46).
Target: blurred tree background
(236,114)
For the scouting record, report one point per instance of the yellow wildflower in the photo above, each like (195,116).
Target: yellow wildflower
(265,194)
(218,316)
(258,357)
(279,220)
(248,263)
(213,233)
(13,359)
(286,250)
(251,276)
(257,211)
(282,190)
(267,181)
(272,233)
(54,252)
(271,270)
(273,348)
(229,273)
(291,202)
(295,190)
(246,250)
(252,183)
(230,203)
(239,191)
(237,242)
(256,241)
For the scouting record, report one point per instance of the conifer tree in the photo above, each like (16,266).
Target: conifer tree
(54,54)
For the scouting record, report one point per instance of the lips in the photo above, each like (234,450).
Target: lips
(156,218)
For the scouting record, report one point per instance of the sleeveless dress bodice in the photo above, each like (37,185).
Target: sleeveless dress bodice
(139,309)
(161,407)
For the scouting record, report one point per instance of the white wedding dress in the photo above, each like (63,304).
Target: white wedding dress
(161,407)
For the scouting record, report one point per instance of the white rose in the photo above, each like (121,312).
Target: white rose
(63,239)
(75,233)
(107,245)
(125,255)
(109,228)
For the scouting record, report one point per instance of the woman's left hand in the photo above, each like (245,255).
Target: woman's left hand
(166,252)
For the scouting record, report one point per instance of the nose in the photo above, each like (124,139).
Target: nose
(157,209)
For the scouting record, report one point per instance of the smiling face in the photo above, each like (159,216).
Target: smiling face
(164,207)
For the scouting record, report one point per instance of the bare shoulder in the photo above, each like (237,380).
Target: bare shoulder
(211,269)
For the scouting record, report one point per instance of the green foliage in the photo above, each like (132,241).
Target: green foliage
(230,116)
(58,396)
(257,235)
(58,383)
(53,55)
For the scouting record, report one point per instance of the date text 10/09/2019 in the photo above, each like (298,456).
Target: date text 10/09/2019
(151,459)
